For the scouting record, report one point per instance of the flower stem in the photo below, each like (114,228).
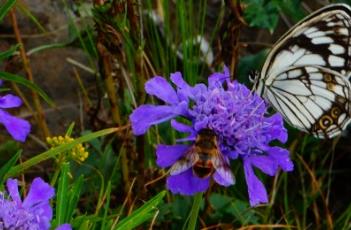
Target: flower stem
(40,116)
(194,212)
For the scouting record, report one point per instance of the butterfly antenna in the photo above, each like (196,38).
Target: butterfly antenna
(254,78)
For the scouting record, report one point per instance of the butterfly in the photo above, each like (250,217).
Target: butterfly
(306,75)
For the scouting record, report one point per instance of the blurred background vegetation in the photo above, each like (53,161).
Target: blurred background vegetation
(92,58)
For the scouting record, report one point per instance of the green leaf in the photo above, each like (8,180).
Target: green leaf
(5,8)
(194,212)
(219,201)
(229,208)
(262,14)
(4,169)
(142,214)
(106,207)
(74,195)
(62,195)
(56,151)
(292,8)
(47,46)
(8,53)
(24,9)
(70,129)
(20,80)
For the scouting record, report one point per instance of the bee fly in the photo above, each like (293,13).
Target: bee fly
(204,157)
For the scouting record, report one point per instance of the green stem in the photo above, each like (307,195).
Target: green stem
(14,171)
(194,212)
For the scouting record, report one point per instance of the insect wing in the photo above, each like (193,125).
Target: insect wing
(305,76)
(321,39)
(222,168)
(184,163)
(312,98)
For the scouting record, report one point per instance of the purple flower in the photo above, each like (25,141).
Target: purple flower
(17,127)
(237,116)
(33,213)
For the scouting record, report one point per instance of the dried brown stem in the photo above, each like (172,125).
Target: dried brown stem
(39,116)
(106,59)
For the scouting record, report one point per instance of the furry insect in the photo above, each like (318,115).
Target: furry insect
(204,157)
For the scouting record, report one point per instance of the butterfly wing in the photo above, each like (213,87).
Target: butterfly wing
(313,99)
(321,44)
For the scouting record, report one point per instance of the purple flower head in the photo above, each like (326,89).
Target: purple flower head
(33,213)
(17,127)
(236,115)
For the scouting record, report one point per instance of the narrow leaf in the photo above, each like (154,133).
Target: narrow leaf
(5,8)
(57,150)
(62,195)
(74,195)
(4,169)
(8,53)
(142,214)
(25,82)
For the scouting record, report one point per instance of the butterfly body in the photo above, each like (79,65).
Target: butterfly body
(305,76)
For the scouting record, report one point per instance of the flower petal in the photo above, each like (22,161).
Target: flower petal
(187,184)
(10,101)
(281,156)
(276,130)
(146,115)
(185,91)
(159,87)
(39,194)
(167,155)
(201,124)
(12,188)
(265,163)
(224,178)
(181,127)
(64,227)
(256,189)
(231,154)
(44,212)
(216,80)
(17,127)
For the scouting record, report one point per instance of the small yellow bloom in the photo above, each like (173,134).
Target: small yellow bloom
(77,153)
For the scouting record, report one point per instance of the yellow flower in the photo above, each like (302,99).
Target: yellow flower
(77,153)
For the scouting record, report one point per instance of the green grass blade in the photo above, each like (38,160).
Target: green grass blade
(5,8)
(46,47)
(62,195)
(142,214)
(70,129)
(57,150)
(25,82)
(4,169)
(74,196)
(24,9)
(194,212)
(8,53)
(106,207)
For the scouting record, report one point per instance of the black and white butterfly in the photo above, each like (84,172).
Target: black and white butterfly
(306,75)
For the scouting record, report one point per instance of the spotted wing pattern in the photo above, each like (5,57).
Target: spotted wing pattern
(305,76)
(312,98)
